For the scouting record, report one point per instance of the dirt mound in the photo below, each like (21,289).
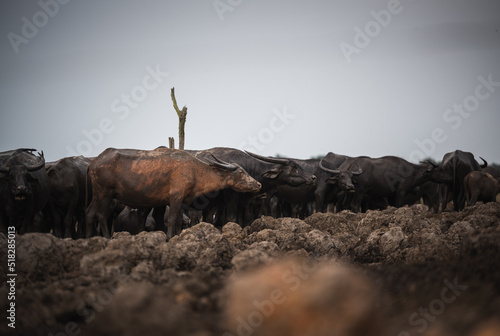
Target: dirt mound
(401,260)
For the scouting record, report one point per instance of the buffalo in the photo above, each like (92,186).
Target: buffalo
(458,164)
(142,178)
(69,195)
(342,180)
(271,172)
(480,186)
(389,179)
(24,188)
(329,182)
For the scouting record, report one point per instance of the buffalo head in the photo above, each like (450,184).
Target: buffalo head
(19,178)
(341,177)
(437,173)
(237,178)
(286,170)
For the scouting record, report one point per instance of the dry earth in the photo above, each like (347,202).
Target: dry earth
(394,272)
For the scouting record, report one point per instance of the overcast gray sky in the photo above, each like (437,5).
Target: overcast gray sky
(298,78)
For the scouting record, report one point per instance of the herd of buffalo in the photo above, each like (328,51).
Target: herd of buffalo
(164,189)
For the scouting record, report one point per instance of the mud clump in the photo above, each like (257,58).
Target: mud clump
(302,297)
(375,273)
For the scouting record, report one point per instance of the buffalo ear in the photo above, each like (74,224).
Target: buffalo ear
(271,174)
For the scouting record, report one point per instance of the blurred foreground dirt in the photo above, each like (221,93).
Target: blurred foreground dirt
(394,272)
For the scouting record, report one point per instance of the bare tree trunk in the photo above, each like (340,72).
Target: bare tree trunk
(182,118)
(171,142)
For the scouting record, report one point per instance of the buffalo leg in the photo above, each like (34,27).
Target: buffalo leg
(27,225)
(320,199)
(173,218)
(443,196)
(142,216)
(473,199)
(90,217)
(102,219)
(357,199)
(229,207)
(159,217)
(69,227)
(29,219)
(80,233)
(460,199)
(455,202)
(55,220)
(56,223)
(400,199)
(98,209)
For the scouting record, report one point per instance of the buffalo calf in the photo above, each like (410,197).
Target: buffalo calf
(480,186)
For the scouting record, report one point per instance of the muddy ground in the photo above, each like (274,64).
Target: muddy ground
(394,272)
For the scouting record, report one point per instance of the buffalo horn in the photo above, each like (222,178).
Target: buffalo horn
(40,164)
(432,163)
(219,163)
(26,150)
(358,172)
(4,170)
(328,170)
(268,159)
(485,164)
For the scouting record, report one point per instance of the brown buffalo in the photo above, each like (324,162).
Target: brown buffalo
(480,186)
(142,178)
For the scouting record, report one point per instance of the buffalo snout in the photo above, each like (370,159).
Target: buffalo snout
(308,180)
(257,186)
(21,189)
(20,192)
(253,187)
(349,187)
(248,186)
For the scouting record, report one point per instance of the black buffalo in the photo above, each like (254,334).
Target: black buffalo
(283,197)
(341,180)
(269,171)
(389,179)
(24,188)
(330,181)
(69,194)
